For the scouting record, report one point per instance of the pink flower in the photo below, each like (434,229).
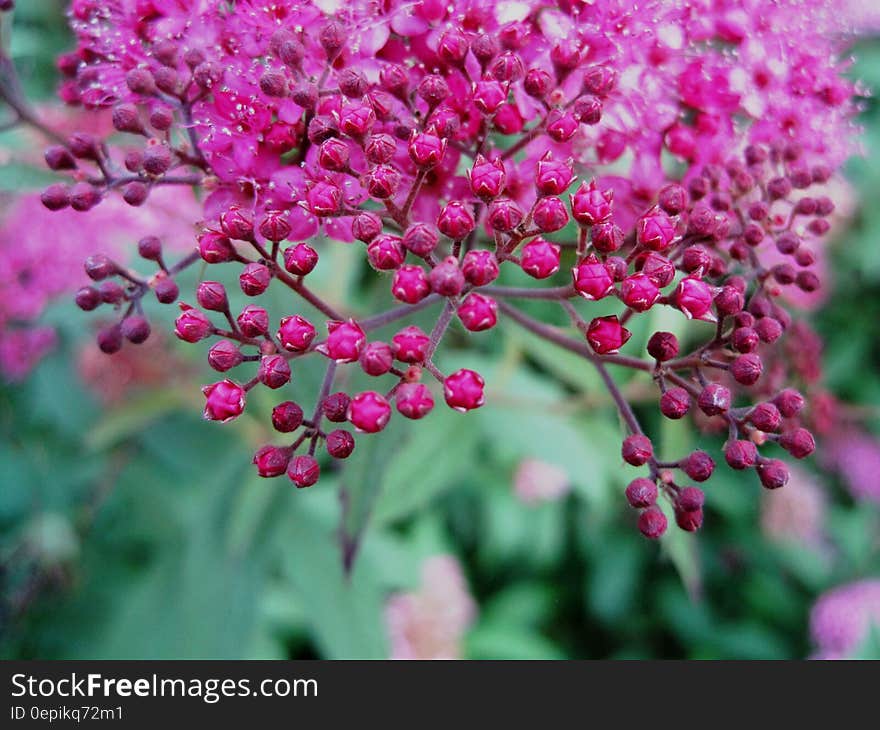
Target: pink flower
(841,618)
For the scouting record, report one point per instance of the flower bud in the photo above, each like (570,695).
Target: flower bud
(540,258)
(479,267)
(714,399)
(192,325)
(652,523)
(414,400)
(410,284)
(287,417)
(135,329)
(255,279)
(446,278)
(271,461)
(698,465)
(675,403)
(411,345)
(225,401)
(456,220)
(478,312)
(463,390)
(741,454)
(590,205)
(211,295)
(304,471)
(340,444)
(641,492)
(274,371)
(344,342)
(369,412)
(550,214)
(591,279)
(637,449)
(386,253)
(663,346)
(606,335)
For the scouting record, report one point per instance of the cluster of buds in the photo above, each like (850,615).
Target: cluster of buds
(461,147)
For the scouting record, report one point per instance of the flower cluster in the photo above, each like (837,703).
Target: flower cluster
(614,158)
(844,617)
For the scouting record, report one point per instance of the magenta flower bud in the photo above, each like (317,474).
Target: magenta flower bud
(672,198)
(274,371)
(698,465)
(550,214)
(377,358)
(478,312)
(729,301)
(333,154)
(304,471)
(340,444)
(652,523)
(426,150)
(383,182)
(55,197)
(207,74)
(324,199)
(714,399)
(655,230)
(150,248)
(740,454)
(766,417)
(135,329)
(773,474)
(641,492)
(344,342)
(798,442)
(254,279)
(380,148)
(335,407)
(88,298)
(768,329)
(690,499)
(211,295)
(446,278)
(606,335)
(638,292)
(553,177)
(689,521)
(504,215)
(166,290)
(215,248)
(271,461)
(592,279)
(366,226)
(540,258)
(444,123)
(157,159)
(161,119)
(656,267)
(565,56)
(695,258)
(192,325)
(433,89)
(253,321)
(663,346)
(84,146)
(537,83)
(414,400)
(110,339)
(675,403)
(463,390)
(237,224)
(274,84)
(300,259)
(694,297)
(84,197)
(369,412)
(126,118)
(479,267)
(507,68)
(274,226)
(411,345)
(287,417)
(487,177)
(747,369)
(386,253)
(410,284)
(421,239)
(607,237)
(296,333)
(135,193)
(489,95)
(98,267)
(322,127)
(485,48)
(590,205)
(224,355)
(561,126)
(637,449)
(394,79)
(587,109)
(599,80)
(140,81)
(168,80)
(225,401)
(456,220)
(352,83)
(744,339)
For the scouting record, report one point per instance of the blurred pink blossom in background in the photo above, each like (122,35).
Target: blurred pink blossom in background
(841,619)
(430,622)
(537,481)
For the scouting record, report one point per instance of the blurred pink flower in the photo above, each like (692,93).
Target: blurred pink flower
(41,259)
(537,481)
(429,623)
(842,618)
(796,513)
(855,455)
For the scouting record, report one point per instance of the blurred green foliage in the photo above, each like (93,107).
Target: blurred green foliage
(140,531)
